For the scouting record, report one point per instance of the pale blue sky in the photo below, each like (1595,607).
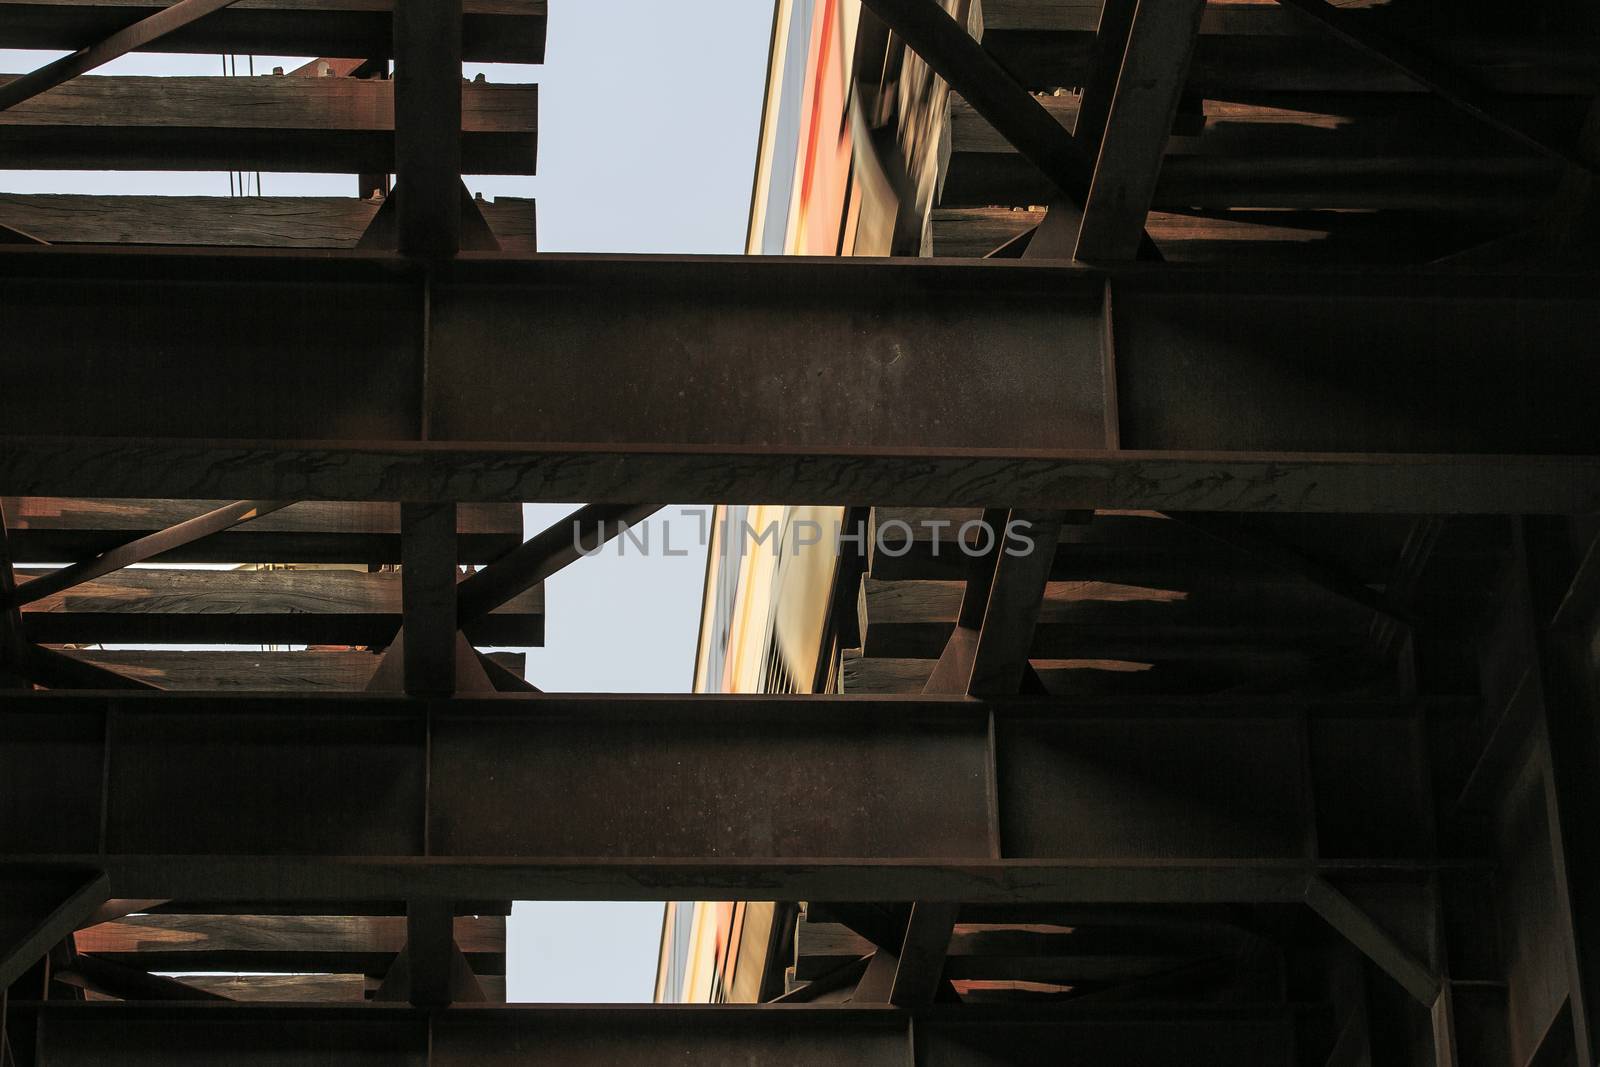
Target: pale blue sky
(648,116)
(647,133)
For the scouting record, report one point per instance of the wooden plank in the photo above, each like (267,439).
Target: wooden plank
(1094,620)
(291,988)
(329,607)
(125,39)
(1322,125)
(313,988)
(493,31)
(320,125)
(1151,79)
(1247,236)
(354,944)
(143,549)
(243,222)
(1239,62)
(1504,189)
(310,671)
(58,529)
(1367,31)
(57,670)
(1316,155)
(110,978)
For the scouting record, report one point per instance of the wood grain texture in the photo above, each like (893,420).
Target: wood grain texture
(316,988)
(291,988)
(314,943)
(331,607)
(1258,58)
(320,125)
(246,222)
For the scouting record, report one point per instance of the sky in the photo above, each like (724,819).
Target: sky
(648,115)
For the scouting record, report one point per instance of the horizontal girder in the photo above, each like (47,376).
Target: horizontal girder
(619,378)
(578,1036)
(201,796)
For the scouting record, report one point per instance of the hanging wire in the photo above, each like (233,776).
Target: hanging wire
(252,60)
(224,59)
(238,180)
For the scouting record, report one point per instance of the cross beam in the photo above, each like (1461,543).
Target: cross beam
(617,379)
(840,799)
(620,1036)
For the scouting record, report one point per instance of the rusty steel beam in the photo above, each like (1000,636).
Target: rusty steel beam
(429,574)
(803,1035)
(41,905)
(584,531)
(427,125)
(840,799)
(57,670)
(1136,129)
(910,976)
(1054,479)
(985,83)
(617,379)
